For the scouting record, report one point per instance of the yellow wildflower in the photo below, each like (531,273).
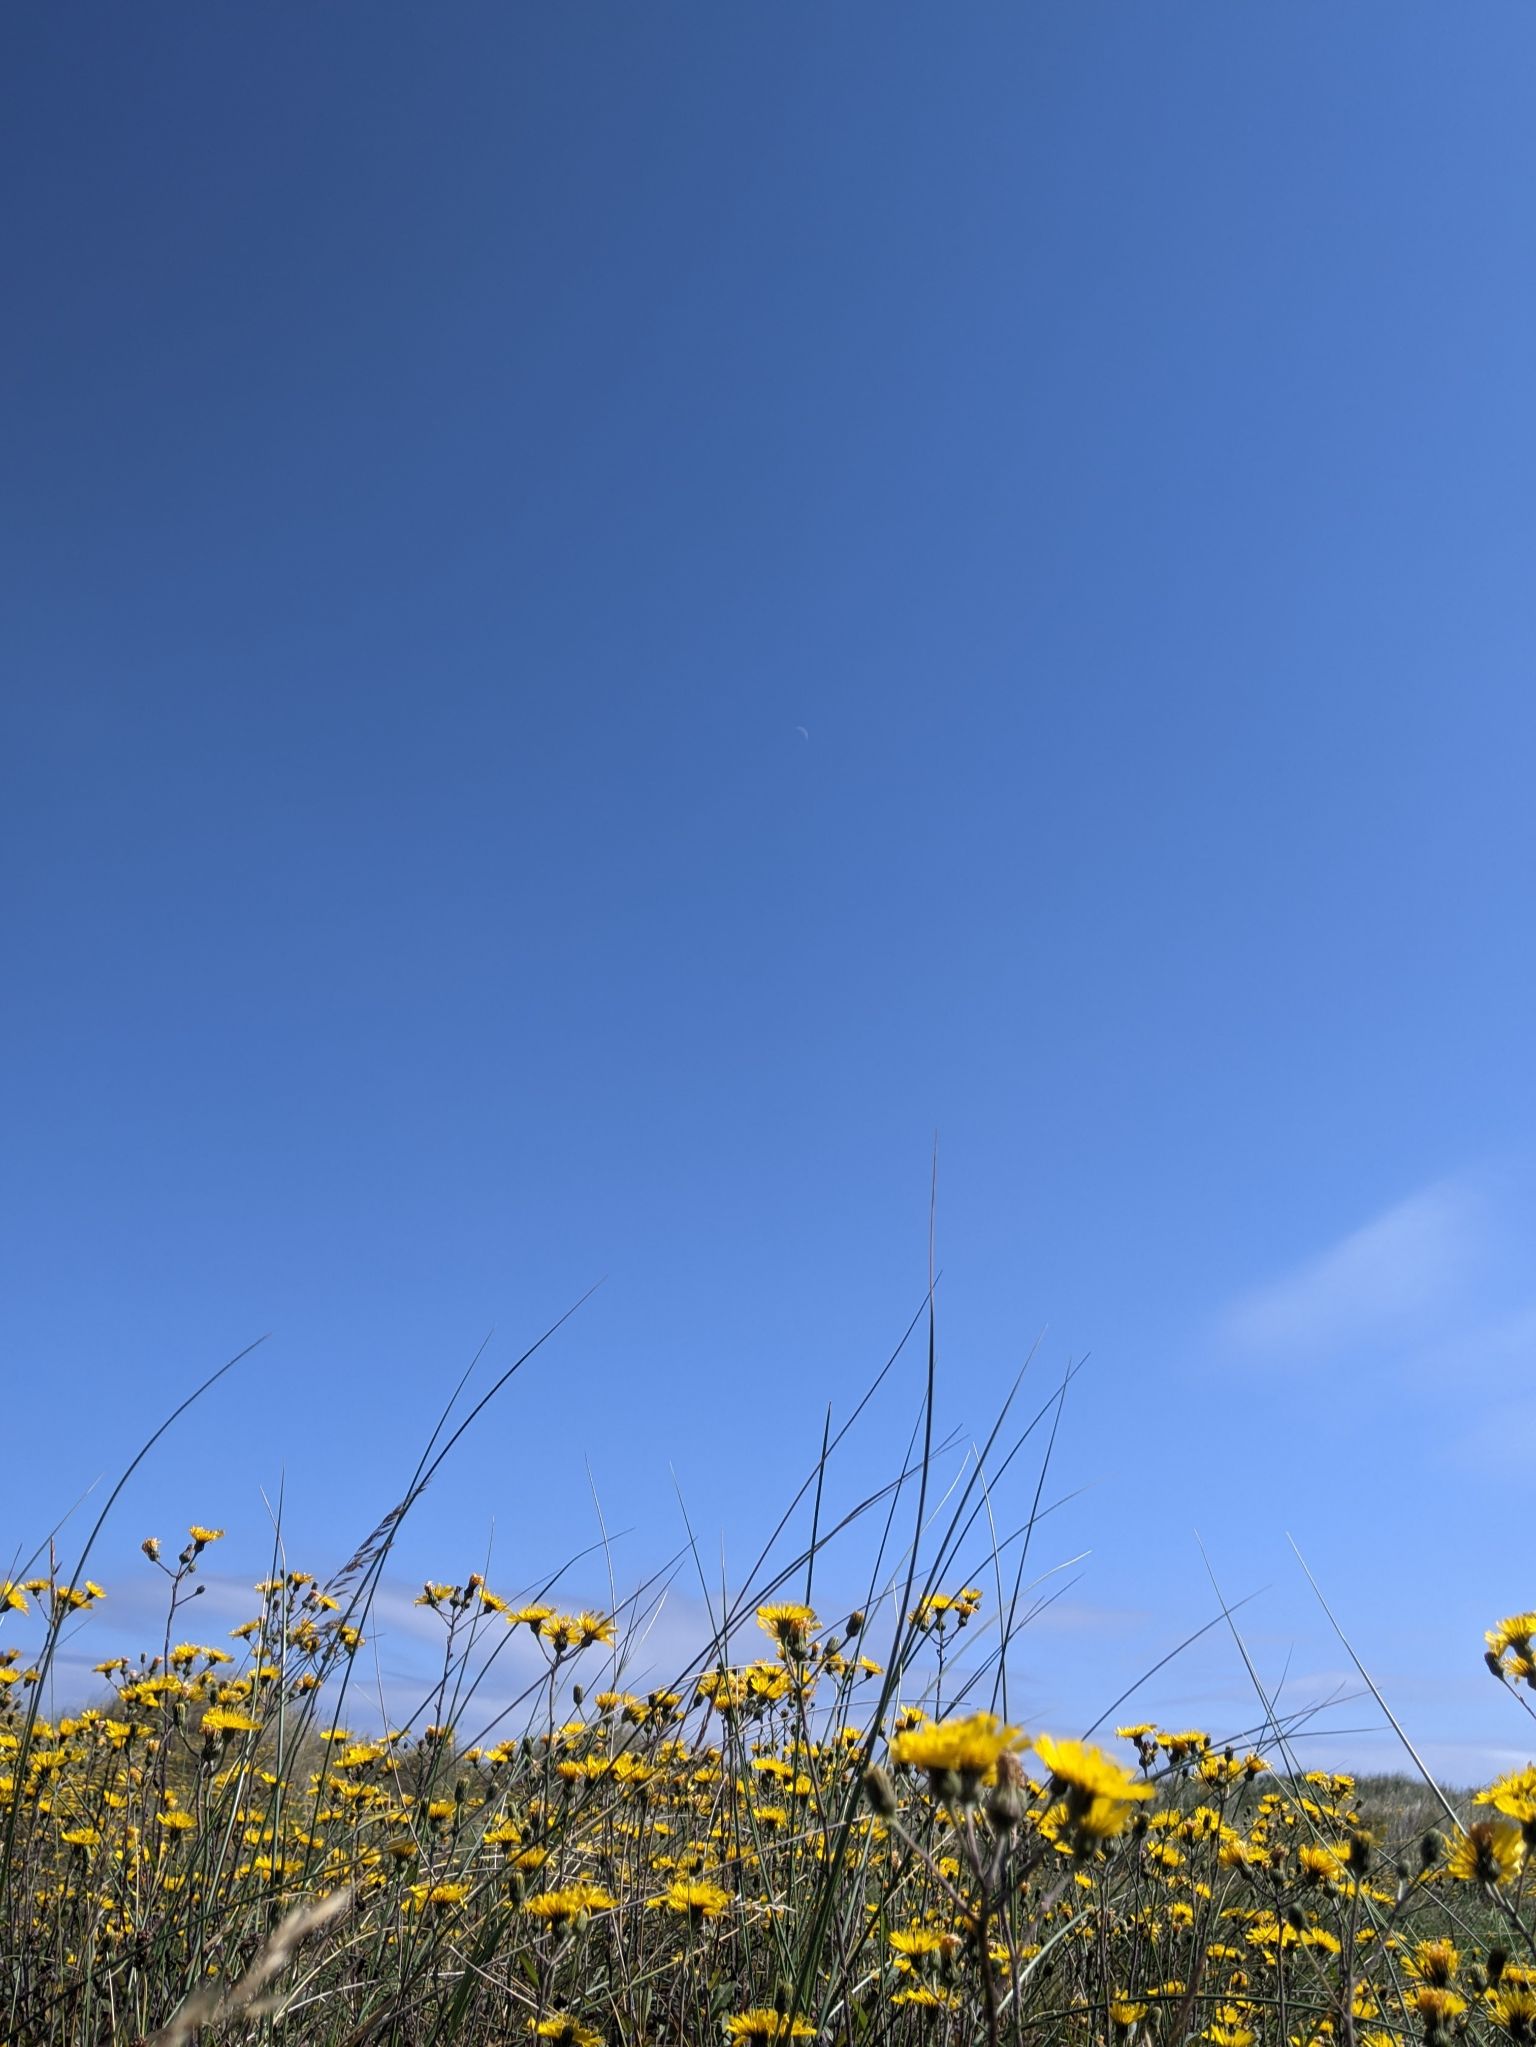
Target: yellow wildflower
(1513,2011)
(566,1631)
(1513,1794)
(1487,1852)
(1434,1961)
(573,1903)
(694,1898)
(967,1750)
(1075,1766)
(225,1720)
(789,1625)
(1435,2005)
(564,2030)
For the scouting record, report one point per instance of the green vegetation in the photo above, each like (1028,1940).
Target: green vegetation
(838,1835)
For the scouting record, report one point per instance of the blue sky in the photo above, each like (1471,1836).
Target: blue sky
(614,616)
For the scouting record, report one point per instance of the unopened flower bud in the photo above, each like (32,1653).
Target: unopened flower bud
(880,1792)
(1005,1807)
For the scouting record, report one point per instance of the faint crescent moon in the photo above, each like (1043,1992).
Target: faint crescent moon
(802,732)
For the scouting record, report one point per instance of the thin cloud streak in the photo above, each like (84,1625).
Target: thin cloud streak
(1396,1270)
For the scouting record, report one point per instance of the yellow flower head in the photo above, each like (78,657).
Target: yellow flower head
(225,1720)
(1186,1743)
(535,1616)
(1513,1633)
(1513,2011)
(915,1942)
(1436,2006)
(1320,1865)
(694,1899)
(1079,1767)
(789,1625)
(423,1895)
(1488,1852)
(1513,1794)
(936,1609)
(567,1631)
(1434,1961)
(564,2030)
(559,1908)
(967,1750)
(922,1948)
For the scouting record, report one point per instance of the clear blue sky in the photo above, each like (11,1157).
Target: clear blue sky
(449,455)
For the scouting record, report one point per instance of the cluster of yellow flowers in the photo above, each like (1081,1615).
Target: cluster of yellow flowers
(651,1865)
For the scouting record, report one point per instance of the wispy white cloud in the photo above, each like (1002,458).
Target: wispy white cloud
(1495,1433)
(1492,1351)
(1396,1271)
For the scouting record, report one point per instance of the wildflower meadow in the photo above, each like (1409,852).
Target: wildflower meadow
(828,1827)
